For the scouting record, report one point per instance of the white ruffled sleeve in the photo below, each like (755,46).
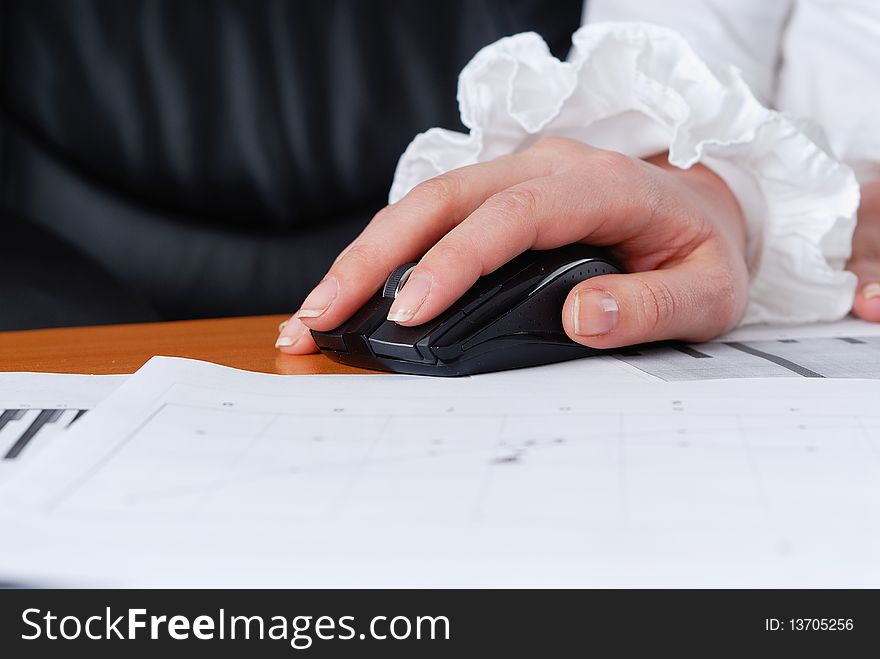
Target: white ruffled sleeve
(640,89)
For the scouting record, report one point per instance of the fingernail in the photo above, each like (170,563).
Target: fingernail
(595,312)
(319,300)
(870,291)
(412,296)
(291,332)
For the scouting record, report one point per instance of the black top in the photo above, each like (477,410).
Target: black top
(181,159)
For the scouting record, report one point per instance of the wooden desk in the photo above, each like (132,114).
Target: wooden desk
(246,343)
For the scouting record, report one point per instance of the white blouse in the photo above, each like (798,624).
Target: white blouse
(699,90)
(816,59)
(813,59)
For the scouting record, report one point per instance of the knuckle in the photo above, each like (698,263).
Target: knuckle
(455,251)
(456,254)
(616,165)
(554,144)
(558,153)
(440,191)
(657,305)
(519,202)
(728,298)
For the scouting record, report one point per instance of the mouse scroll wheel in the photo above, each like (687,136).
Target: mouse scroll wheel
(397,279)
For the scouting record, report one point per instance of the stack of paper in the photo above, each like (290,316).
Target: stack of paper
(665,466)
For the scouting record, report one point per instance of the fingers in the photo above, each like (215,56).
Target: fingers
(294,338)
(695,300)
(540,213)
(504,226)
(867,301)
(404,231)
(865,261)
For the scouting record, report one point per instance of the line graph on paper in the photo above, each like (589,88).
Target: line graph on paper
(838,357)
(228,461)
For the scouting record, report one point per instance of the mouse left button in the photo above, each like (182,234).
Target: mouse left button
(329,340)
(399,342)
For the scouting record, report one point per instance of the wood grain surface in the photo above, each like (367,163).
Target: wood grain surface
(246,343)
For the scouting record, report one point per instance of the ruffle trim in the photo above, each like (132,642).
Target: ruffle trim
(640,88)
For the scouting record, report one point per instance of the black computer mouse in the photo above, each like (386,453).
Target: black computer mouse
(509,319)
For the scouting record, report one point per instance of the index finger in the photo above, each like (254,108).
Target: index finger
(538,214)
(404,231)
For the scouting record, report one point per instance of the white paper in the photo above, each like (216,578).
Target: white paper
(846,349)
(849,326)
(35,408)
(195,474)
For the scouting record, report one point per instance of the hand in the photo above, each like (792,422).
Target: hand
(679,232)
(865,261)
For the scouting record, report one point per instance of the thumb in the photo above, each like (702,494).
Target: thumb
(867,302)
(685,302)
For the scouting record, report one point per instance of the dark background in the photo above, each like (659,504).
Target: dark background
(174,159)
